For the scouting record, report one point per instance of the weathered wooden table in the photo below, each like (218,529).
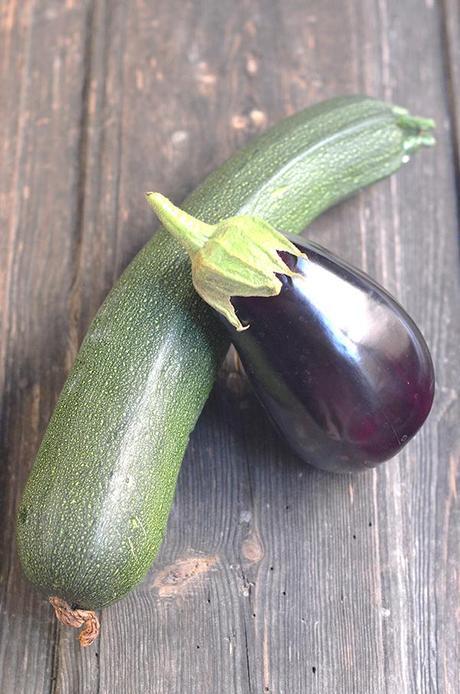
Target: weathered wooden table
(272,577)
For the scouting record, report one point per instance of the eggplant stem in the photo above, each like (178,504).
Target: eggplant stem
(190,232)
(77,618)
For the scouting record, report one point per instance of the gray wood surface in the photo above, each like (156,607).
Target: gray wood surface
(272,577)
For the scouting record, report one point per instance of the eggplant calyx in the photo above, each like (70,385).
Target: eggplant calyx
(240,256)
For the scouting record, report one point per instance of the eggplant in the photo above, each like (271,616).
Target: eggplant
(342,370)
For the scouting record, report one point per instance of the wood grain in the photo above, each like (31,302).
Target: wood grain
(272,577)
(41,138)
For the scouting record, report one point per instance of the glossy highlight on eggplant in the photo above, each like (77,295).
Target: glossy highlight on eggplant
(343,371)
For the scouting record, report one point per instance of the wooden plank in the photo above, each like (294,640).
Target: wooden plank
(43,72)
(450,17)
(272,577)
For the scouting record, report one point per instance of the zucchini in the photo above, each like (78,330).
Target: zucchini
(96,504)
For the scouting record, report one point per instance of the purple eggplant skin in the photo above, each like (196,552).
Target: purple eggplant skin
(343,371)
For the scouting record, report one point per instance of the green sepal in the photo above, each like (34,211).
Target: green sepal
(237,257)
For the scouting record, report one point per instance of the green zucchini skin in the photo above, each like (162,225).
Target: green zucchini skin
(96,504)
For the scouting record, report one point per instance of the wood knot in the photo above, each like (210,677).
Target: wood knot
(252,549)
(177,578)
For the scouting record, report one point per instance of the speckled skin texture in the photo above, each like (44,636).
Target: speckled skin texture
(96,504)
